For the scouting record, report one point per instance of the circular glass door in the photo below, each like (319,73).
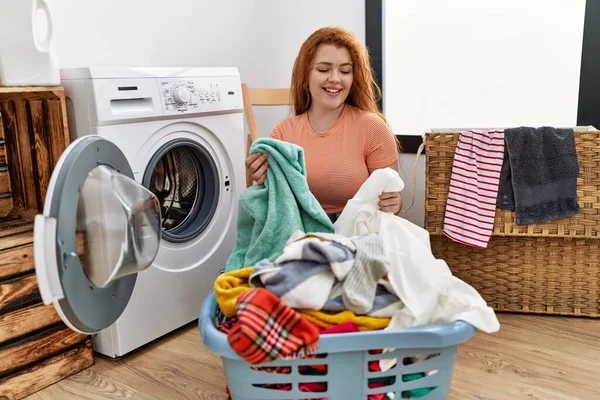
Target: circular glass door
(98,230)
(183,175)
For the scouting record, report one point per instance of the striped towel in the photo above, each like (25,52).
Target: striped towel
(471,203)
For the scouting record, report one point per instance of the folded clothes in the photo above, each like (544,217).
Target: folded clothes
(230,285)
(332,273)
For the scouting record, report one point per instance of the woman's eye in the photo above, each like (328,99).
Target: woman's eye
(346,72)
(322,70)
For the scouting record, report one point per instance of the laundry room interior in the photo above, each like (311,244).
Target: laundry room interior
(267,200)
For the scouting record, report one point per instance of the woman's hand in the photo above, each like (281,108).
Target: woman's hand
(390,202)
(257,165)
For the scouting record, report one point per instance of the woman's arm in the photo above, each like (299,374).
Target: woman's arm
(392,201)
(382,152)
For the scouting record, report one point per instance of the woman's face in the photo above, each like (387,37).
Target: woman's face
(330,77)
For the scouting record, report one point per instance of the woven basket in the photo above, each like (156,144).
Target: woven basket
(547,268)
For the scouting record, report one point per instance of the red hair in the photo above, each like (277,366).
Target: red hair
(364,92)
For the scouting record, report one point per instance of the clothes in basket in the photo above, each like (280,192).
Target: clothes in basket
(331,273)
(265,329)
(229,286)
(414,331)
(343,355)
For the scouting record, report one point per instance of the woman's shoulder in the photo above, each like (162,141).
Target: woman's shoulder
(369,119)
(291,121)
(289,124)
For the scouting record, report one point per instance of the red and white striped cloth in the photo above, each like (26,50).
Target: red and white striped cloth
(471,203)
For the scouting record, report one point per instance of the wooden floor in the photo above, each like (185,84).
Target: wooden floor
(532,357)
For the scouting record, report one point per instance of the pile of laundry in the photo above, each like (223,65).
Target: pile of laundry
(293,276)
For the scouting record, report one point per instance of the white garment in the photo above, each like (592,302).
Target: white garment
(429,291)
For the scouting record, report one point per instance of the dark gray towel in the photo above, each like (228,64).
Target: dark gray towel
(539,174)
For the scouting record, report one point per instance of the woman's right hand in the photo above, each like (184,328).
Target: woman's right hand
(257,165)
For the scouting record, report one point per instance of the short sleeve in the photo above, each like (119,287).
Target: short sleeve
(381,144)
(276,132)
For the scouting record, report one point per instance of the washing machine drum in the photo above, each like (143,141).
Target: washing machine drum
(98,230)
(184,178)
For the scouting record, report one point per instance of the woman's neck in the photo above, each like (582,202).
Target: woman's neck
(322,119)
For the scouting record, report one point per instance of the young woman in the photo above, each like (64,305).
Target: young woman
(337,122)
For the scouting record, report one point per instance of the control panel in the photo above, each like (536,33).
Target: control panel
(202,94)
(121,95)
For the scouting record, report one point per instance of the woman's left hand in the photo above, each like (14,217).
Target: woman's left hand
(390,202)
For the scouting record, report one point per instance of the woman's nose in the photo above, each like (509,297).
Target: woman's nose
(334,76)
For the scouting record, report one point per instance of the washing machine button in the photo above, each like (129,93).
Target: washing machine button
(181,95)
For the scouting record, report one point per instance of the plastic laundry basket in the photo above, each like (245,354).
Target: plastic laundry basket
(346,356)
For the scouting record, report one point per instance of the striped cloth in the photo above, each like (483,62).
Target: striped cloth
(471,203)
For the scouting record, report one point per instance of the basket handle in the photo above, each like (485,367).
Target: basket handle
(414,175)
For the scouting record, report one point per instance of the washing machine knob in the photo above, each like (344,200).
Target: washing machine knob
(181,95)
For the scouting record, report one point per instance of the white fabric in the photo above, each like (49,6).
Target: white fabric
(424,284)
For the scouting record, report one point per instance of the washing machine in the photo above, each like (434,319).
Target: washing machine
(141,211)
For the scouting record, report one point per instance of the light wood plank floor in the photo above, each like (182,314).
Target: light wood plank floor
(532,357)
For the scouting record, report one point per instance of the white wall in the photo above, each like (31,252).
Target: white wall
(437,60)
(260,37)
(479,63)
(482,63)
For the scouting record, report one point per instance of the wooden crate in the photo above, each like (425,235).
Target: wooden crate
(34,133)
(36,348)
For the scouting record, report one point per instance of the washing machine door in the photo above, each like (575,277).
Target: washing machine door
(99,228)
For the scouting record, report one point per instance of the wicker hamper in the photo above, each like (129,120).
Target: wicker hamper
(549,268)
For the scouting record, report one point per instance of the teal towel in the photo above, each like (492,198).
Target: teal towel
(270,213)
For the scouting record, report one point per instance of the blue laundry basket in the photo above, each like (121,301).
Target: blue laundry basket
(346,357)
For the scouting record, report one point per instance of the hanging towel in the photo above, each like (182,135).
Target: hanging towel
(270,213)
(424,284)
(539,174)
(471,203)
